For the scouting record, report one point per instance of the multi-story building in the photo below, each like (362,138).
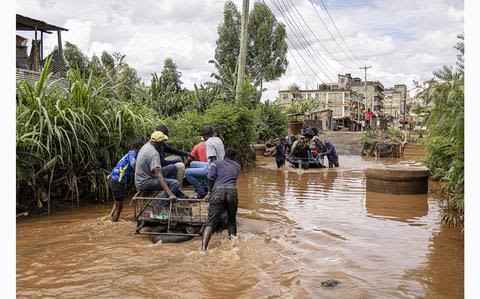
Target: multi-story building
(342,101)
(374,95)
(394,102)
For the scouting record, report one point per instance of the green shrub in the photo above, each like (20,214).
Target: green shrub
(272,121)
(234,124)
(72,137)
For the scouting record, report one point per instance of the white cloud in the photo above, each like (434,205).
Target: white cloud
(403,40)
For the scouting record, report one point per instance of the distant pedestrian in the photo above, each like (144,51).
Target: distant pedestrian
(368,118)
(280,155)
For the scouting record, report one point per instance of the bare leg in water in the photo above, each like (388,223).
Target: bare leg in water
(207,234)
(116,210)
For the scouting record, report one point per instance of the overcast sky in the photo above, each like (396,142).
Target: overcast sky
(403,40)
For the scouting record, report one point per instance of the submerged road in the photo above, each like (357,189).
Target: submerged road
(296,229)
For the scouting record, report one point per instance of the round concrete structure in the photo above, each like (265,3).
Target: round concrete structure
(397,179)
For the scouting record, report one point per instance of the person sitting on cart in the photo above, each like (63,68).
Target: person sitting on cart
(290,143)
(331,154)
(171,168)
(119,177)
(196,174)
(222,179)
(280,155)
(300,154)
(148,170)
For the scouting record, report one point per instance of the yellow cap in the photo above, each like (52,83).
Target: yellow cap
(158,136)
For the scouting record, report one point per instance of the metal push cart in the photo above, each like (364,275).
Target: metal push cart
(167,221)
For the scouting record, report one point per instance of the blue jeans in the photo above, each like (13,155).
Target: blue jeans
(196,175)
(154,185)
(169,171)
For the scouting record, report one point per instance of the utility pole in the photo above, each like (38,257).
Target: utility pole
(242,57)
(366,97)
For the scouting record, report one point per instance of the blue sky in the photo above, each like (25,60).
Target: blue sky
(404,40)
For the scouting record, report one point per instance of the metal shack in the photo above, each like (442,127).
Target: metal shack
(30,65)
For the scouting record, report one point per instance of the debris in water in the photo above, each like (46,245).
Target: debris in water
(331,283)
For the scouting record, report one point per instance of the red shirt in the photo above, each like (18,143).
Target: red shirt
(200,151)
(368,115)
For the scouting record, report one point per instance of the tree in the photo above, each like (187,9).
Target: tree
(266,58)
(272,121)
(293,86)
(228,42)
(445,143)
(74,58)
(267,47)
(170,77)
(95,65)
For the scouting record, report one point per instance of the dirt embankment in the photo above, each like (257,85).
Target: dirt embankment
(346,143)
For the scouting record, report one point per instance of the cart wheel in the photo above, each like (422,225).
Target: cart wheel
(168,238)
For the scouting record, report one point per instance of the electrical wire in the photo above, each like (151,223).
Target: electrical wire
(319,58)
(338,31)
(309,28)
(298,52)
(331,35)
(305,47)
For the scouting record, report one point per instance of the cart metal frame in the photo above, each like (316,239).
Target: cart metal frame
(155,210)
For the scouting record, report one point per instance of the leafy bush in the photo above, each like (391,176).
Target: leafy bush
(72,136)
(445,143)
(272,121)
(234,124)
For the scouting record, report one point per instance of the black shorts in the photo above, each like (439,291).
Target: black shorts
(223,200)
(118,189)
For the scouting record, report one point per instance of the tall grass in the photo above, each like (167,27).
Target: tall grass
(72,137)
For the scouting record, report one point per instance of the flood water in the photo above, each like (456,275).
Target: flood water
(296,229)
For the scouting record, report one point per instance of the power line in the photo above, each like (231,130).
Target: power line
(306,47)
(316,60)
(293,45)
(296,62)
(323,62)
(302,45)
(331,35)
(325,48)
(338,31)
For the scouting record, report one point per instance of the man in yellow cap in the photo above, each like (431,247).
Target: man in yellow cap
(148,172)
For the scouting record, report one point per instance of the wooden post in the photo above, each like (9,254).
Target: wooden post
(242,57)
(60,50)
(41,46)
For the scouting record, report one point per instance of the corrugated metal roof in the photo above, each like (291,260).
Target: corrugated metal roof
(31,76)
(29,24)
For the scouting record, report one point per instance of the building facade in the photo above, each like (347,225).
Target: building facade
(394,102)
(343,102)
(374,96)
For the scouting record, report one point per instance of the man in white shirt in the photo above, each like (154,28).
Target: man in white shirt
(214,145)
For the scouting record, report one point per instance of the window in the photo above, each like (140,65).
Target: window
(285,96)
(317,96)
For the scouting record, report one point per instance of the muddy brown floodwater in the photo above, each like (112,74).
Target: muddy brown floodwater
(296,229)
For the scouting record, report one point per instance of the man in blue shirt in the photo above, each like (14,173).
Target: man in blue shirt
(119,177)
(331,154)
(222,179)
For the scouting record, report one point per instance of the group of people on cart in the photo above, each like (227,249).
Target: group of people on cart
(306,151)
(209,168)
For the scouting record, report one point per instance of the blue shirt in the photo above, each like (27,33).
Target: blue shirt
(331,153)
(124,167)
(223,173)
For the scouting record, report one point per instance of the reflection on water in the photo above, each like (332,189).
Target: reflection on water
(406,208)
(296,229)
